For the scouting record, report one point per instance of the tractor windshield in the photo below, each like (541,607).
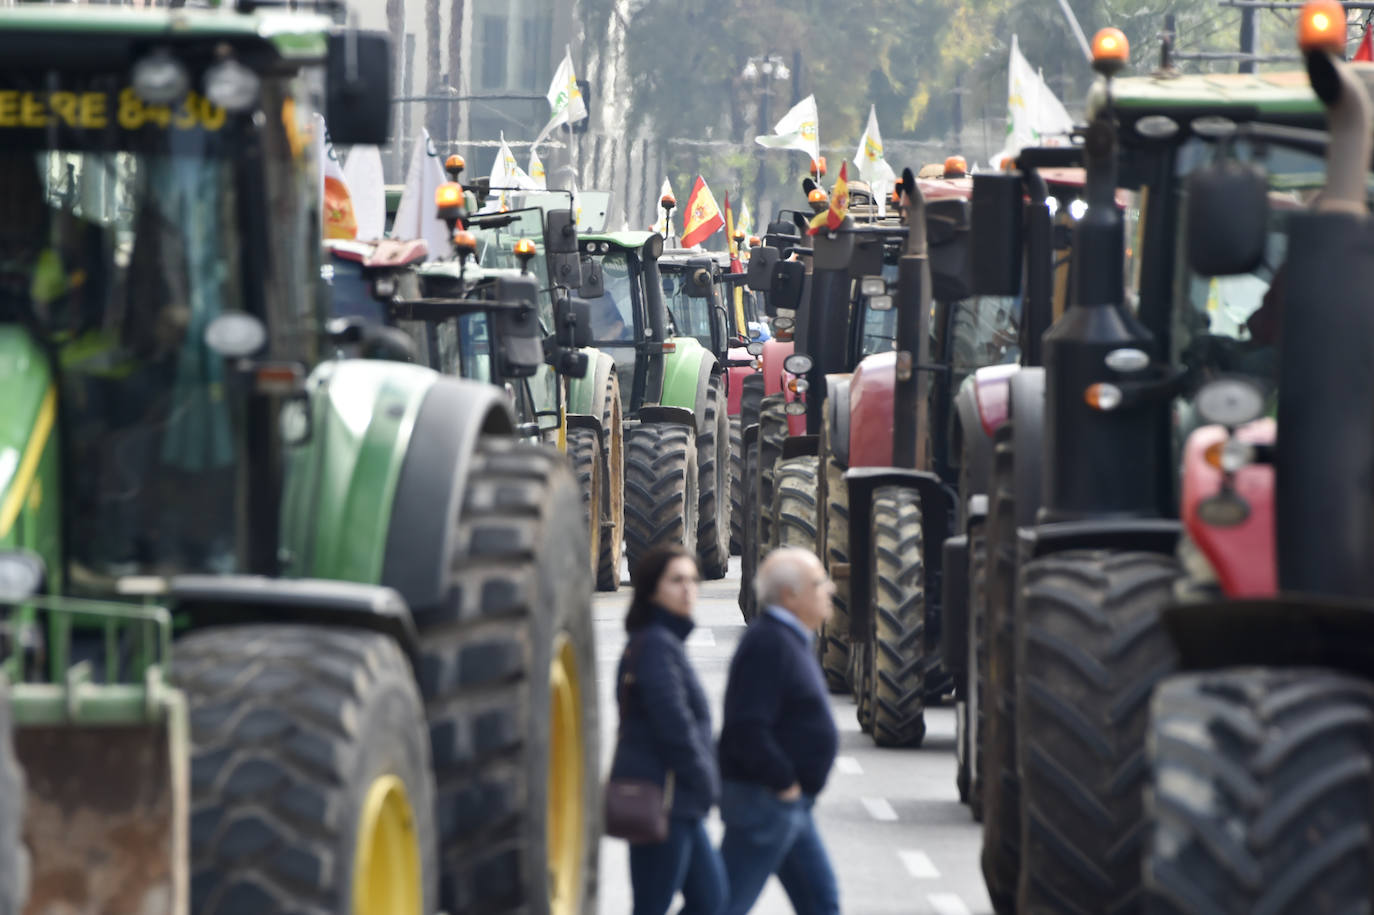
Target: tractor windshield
(496,248)
(127,229)
(691,317)
(613,312)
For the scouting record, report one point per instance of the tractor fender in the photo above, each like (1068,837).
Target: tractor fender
(1148,535)
(584,421)
(971,444)
(1026,411)
(341,482)
(657,413)
(1307,630)
(937,523)
(222,600)
(992,395)
(586,394)
(870,405)
(1245,555)
(429,496)
(687,376)
(837,408)
(954,632)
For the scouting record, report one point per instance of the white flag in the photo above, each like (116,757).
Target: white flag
(363,172)
(798,129)
(1034,115)
(506,176)
(746,221)
(565,98)
(661,224)
(416,216)
(538,177)
(873,167)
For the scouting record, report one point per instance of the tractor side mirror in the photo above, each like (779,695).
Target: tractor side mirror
(997,220)
(785,290)
(560,232)
(574,317)
(358,96)
(566,270)
(834,253)
(761,264)
(593,285)
(947,223)
(522,339)
(699,283)
(1228,218)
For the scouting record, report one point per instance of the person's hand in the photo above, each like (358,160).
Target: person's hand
(792,793)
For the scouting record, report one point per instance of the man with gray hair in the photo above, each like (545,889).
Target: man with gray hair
(778,742)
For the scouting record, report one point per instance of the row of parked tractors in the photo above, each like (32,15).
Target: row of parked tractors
(1087,443)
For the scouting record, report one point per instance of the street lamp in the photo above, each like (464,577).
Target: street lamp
(767,68)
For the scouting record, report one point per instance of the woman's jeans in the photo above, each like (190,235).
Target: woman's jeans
(684,861)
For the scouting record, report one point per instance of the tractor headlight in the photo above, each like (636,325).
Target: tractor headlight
(21,575)
(232,86)
(160,79)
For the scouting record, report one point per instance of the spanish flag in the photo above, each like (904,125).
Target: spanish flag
(702,217)
(839,205)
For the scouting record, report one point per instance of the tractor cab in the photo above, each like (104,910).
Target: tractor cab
(628,312)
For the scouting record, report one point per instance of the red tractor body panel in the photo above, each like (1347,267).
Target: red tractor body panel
(734,381)
(775,379)
(992,395)
(870,411)
(1243,556)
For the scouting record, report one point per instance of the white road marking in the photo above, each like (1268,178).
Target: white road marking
(848,765)
(701,638)
(947,904)
(919,865)
(879,809)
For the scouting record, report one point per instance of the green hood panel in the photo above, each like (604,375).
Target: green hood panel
(686,371)
(30,505)
(340,484)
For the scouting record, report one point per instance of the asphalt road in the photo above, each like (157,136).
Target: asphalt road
(898,837)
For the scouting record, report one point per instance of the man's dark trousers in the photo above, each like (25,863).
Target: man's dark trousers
(765,835)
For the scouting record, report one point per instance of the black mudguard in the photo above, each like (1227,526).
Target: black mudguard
(837,407)
(1146,535)
(660,414)
(456,413)
(938,504)
(971,445)
(1027,418)
(579,421)
(219,600)
(1292,630)
(954,631)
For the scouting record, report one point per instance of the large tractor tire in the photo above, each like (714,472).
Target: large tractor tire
(861,678)
(660,487)
(1001,855)
(749,555)
(897,634)
(14,858)
(588,462)
(713,485)
(1263,783)
(832,644)
(772,435)
(978,662)
(311,788)
(612,534)
(508,672)
(751,393)
(1090,649)
(794,503)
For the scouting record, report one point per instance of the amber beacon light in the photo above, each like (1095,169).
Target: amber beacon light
(1111,50)
(1321,27)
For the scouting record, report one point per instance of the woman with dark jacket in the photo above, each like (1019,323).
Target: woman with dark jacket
(665,737)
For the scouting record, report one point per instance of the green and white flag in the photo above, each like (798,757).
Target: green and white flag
(798,129)
(565,98)
(1035,116)
(746,221)
(873,167)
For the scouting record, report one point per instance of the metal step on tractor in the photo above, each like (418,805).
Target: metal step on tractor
(286,630)
(1269,717)
(677,434)
(1081,536)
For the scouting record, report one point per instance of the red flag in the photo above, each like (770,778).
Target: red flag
(1366,49)
(702,217)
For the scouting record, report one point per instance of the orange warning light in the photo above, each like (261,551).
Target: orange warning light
(524,248)
(956,167)
(465,242)
(818,167)
(1321,27)
(448,199)
(1111,50)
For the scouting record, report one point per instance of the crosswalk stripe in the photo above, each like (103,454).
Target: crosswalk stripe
(947,904)
(848,765)
(879,809)
(919,865)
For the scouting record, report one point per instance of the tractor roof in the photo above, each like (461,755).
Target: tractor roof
(293,36)
(633,240)
(1269,94)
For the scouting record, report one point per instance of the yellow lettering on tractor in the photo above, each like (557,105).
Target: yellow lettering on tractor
(9,108)
(32,111)
(93,114)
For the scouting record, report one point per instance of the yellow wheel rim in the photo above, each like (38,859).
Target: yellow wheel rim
(386,864)
(567,815)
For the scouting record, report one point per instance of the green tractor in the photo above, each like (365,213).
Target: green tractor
(571,398)
(287,630)
(677,460)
